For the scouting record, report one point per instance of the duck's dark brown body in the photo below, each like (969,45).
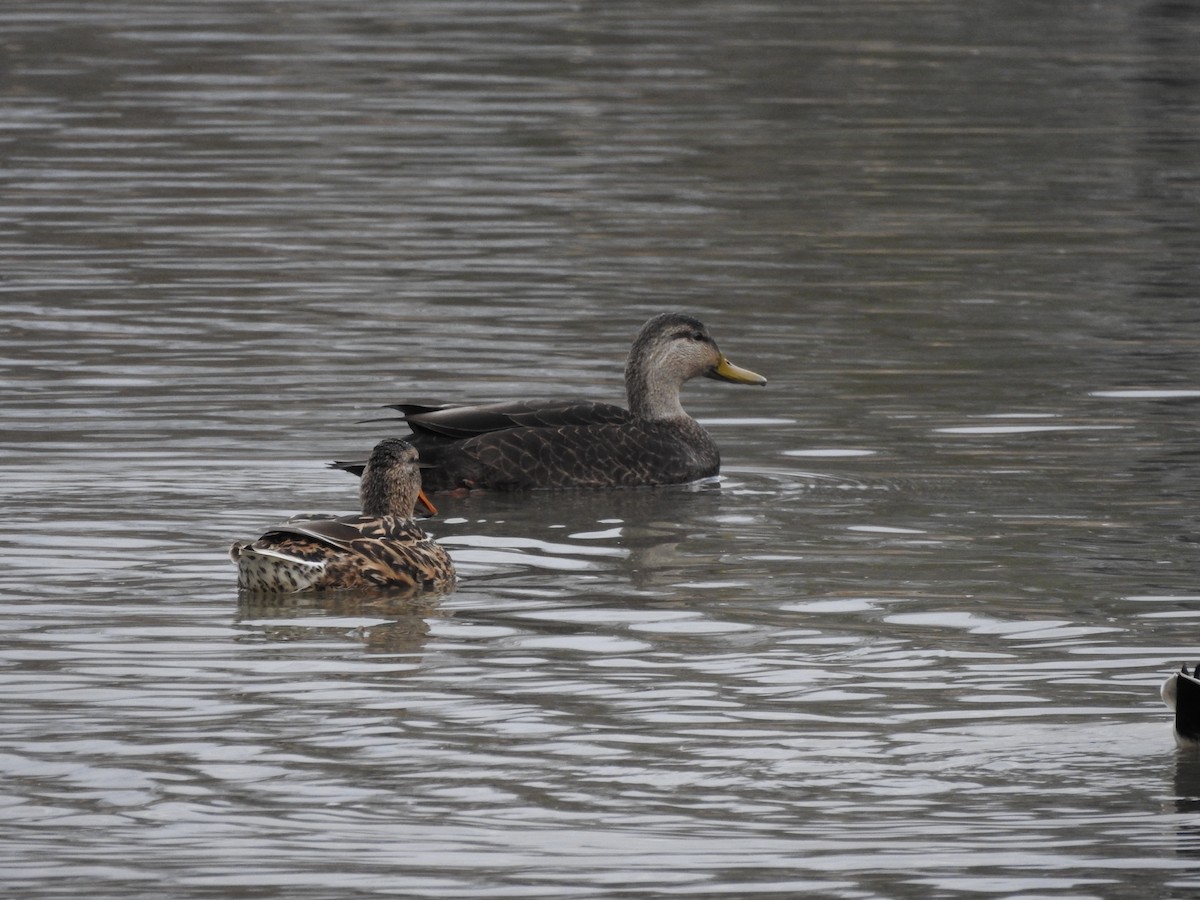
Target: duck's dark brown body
(524,445)
(585,445)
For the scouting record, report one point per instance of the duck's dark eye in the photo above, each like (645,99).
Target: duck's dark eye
(698,336)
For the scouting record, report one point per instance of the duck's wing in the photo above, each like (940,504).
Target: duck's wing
(347,533)
(437,430)
(383,551)
(460,422)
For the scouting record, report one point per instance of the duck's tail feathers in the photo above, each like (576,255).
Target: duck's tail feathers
(264,569)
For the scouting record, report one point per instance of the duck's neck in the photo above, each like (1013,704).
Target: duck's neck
(385,494)
(652,393)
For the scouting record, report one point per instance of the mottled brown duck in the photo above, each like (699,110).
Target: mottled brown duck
(381,548)
(530,444)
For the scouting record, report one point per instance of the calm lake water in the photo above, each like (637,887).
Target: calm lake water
(909,646)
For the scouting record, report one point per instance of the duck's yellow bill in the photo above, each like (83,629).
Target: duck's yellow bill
(727,371)
(421,498)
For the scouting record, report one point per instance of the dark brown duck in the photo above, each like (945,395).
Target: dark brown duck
(529,444)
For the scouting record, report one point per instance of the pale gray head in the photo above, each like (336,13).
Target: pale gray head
(670,349)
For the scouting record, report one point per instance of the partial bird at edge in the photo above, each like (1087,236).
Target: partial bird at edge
(1181,692)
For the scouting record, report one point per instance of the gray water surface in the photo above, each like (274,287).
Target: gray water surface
(908,646)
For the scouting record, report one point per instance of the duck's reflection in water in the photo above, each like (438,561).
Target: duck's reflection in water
(393,622)
(1187,803)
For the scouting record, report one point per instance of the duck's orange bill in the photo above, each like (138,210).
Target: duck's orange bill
(428,503)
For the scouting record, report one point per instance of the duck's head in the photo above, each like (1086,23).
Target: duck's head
(670,349)
(391,482)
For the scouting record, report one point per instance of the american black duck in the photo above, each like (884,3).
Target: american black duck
(529,444)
